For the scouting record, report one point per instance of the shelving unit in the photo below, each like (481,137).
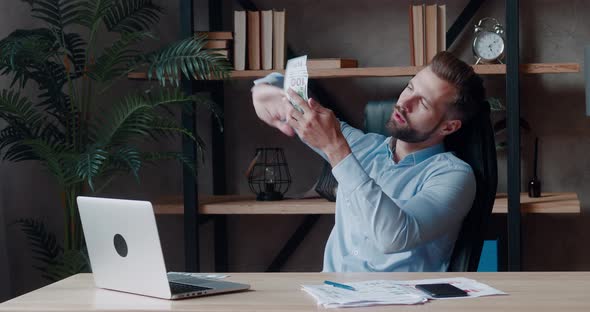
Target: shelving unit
(513,204)
(398,71)
(247,205)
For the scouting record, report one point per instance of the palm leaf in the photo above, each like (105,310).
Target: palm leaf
(114,62)
(129,118)
(90,164)
(24,121)
(19,112)
(56,158)
(19,152)
(43,243)
(187,58)
(127,159)
(23,51)
(76,49)
(92,13)
(9,136)
(153,157)
(12,142)
(54,263)
(51,79)
(162,126)
(57,13)
(169,96)
(129,16)
(134,116)
(66,264)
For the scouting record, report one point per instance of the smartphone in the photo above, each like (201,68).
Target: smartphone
(443,290)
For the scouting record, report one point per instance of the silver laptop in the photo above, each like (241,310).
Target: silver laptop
(125,252)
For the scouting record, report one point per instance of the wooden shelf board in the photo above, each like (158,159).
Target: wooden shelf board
(247,205)
(547,203)
(400,71)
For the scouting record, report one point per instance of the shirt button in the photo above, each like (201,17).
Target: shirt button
(355,252)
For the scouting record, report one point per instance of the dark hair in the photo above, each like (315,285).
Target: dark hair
(470,91)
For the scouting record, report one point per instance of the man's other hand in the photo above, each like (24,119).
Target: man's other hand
(272,107)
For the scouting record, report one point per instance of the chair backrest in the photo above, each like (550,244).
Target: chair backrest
(474,143)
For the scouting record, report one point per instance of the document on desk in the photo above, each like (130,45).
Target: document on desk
(367,293)
(473,288)
(201,275)
(390,292)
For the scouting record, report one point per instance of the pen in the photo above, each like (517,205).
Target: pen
(339,285)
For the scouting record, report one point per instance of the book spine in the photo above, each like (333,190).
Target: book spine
(266,29)
(253,38)
(278,44)
(239,40)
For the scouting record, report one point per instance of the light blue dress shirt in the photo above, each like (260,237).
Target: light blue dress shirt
(392,216)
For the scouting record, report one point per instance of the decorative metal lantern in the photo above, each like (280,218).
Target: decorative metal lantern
(268,175)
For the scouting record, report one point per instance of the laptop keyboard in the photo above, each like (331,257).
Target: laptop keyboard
(178,288)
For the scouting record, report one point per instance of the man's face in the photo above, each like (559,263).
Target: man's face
(421,108)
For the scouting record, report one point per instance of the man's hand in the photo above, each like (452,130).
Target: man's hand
(318,127)
(272,107)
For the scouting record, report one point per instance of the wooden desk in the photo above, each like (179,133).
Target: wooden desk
(220,206)
(528,291)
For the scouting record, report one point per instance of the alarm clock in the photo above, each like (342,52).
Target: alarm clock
(488,41)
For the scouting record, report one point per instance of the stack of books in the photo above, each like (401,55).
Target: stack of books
(428,29)
(220,41)
(259,40)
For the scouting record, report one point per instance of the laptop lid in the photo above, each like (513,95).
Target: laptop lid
(124,246)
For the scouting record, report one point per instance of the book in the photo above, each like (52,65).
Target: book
(216,35)
(239,40)
(216,44)
(278,39)
(223,52)
(253,39)
(328,63)
(418,33)
(266,31)
(411,36)
(442,27)
(430,33)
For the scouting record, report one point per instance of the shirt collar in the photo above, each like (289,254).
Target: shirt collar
(418,156)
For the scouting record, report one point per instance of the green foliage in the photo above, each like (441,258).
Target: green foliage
(44,245)
(132,16)
(79,140)
(172,61)
(52,260)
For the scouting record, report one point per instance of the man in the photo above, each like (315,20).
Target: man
(401,199)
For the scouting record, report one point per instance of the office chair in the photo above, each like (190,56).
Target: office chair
(474,143)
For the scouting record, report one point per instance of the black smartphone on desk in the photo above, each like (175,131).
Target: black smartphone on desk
(442,290)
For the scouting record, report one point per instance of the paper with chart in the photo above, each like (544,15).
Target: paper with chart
(389,292)
(296,78)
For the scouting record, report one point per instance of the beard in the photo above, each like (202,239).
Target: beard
(405,132)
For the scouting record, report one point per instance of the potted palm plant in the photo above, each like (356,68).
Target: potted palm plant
(82,141)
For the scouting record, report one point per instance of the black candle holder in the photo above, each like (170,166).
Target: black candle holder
(268,175)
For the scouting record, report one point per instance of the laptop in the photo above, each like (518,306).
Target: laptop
(125,252)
